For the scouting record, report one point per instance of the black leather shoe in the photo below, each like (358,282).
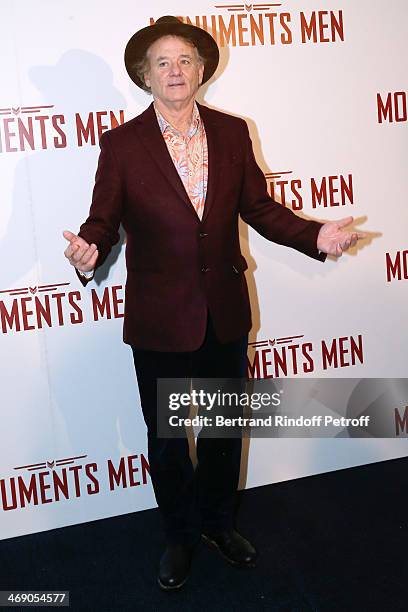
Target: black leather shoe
(174,566)
(233,547)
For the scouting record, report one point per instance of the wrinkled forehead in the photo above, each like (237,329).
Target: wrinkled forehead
(168,46)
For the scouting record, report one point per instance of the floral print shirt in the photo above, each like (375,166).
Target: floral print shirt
(190,157)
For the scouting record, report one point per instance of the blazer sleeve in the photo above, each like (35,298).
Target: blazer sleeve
(102,224)
(269,218)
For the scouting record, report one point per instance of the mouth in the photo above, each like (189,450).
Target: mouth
(176,84)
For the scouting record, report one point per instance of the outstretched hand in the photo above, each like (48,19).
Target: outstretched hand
(79,253)
(334,240)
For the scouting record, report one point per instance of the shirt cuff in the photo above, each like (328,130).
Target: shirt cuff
(87,275)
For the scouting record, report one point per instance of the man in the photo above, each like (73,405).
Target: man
(177,177)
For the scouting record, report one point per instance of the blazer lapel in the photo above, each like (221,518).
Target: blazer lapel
(214,148)
(155,145)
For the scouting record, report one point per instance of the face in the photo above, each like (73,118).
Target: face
(175,71)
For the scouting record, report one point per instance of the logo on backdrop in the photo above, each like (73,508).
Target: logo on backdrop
(71,477)
(396,265)
(34,128)
(34,307)
(248,25)
(401,421)
(293,355)
(392,107)
(323,192)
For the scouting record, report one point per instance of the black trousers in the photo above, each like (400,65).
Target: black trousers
(202,499)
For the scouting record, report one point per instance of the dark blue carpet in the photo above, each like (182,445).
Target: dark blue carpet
(333,542)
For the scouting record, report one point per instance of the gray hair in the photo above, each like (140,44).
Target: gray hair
(143,65)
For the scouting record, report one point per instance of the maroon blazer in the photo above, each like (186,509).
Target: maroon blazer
(178,267)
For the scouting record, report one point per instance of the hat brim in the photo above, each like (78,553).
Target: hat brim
(140,42)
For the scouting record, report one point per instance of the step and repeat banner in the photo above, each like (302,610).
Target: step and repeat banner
(323,87)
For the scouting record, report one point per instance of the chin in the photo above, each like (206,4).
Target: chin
(178,96)
(176,91)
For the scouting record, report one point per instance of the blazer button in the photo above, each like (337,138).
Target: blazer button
(203,234)
(204,269)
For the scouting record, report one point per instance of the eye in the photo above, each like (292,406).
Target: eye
(185,61)
(162,64)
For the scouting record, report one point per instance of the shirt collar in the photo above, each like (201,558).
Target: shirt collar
(194,126)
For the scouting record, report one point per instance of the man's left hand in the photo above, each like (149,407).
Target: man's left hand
(334,240)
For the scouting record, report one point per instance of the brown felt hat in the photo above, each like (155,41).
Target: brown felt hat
(165,26)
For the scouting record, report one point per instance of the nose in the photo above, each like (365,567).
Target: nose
(175,69)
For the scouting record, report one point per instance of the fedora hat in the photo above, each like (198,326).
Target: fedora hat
(137,46)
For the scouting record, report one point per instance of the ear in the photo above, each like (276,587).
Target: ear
(200,74)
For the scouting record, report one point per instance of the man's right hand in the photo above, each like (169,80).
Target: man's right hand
(80,254)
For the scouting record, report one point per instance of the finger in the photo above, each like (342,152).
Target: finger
(69,235)
(74,239)
(79,246)
(90,265)
(93,260)
(355,237)
(85,259)
(70,250)
(339,251)
(81,242)
(345,221)
(80,252)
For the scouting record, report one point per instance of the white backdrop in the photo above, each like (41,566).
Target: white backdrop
(73,440)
